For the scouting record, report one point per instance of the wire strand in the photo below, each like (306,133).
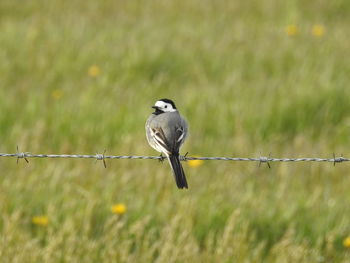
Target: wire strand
(260,159)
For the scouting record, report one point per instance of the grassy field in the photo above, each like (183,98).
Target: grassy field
(250,77)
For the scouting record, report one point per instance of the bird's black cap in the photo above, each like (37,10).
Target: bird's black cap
(170,102)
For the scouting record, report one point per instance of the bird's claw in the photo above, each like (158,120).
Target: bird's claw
(161,158)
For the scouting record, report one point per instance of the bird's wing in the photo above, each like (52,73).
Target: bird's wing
(179,137)
(159,138)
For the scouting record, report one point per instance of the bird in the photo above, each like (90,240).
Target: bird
(166,131)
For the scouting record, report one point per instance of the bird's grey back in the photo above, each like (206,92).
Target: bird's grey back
(168,121)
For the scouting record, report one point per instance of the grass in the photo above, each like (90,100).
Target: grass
(245,86)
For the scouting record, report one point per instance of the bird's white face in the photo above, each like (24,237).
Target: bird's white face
(164,106)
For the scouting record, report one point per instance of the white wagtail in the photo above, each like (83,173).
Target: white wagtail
(166,131)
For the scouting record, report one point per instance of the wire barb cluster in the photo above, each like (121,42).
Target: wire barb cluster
(103,157)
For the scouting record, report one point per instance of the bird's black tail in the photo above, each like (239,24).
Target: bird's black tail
(178,171)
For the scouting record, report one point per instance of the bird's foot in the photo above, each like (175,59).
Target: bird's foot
(161,158)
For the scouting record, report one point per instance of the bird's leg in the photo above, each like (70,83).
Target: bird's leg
(161,159)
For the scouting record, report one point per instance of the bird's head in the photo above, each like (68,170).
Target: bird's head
(164,105)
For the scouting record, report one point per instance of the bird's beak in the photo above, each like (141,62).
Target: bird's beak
(155,107)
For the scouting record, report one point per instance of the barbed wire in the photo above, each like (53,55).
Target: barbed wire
(103,157)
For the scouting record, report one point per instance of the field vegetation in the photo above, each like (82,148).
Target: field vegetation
(251,77)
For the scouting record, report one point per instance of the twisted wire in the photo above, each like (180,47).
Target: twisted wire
(97,156)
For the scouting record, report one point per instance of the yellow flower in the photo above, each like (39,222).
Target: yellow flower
(118,209)
(317,30)
(57,94)
(94,71)
(40,220)
(346,242)
(195,163)
(291,30)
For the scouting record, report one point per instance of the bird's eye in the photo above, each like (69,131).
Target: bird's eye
(166,106)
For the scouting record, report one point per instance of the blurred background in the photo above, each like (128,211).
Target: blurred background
(250,77)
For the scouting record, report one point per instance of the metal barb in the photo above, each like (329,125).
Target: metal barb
(337,159)
(101,157)
(21,155)
(264,159)
(183,157)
